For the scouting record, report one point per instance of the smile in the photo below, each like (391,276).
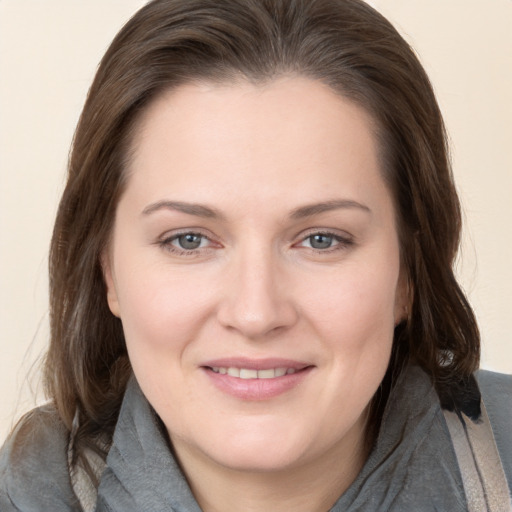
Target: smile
(246,373)
(256,380)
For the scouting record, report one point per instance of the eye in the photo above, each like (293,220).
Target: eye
(189,241)
(321,241)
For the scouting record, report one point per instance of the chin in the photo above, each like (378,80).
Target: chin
(247,447)
(258,448)
(258,459)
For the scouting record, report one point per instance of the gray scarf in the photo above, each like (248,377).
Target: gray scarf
(411,467)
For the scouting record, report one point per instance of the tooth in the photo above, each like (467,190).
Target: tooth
(233,372)
(248,374)
(266,374)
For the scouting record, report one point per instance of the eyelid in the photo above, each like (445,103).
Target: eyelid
(175,233)
(177,238)
(336,233)
(343,238)
(167,238)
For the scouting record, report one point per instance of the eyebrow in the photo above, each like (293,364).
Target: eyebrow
(326,206)
(198,210)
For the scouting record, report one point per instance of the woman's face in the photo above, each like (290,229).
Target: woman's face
(255,267)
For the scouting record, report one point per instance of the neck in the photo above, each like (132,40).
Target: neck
(312,486)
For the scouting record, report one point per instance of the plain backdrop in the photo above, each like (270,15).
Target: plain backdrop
(48,55)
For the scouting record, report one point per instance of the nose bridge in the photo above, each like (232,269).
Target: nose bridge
(256,303)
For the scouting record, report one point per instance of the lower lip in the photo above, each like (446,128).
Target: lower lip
(257,389)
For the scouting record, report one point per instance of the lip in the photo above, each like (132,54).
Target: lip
(256,364)
(256,389)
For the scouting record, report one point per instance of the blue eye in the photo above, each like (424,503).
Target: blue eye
(326,242)
(188,244)
(185,244)
(321,241)
(189,241)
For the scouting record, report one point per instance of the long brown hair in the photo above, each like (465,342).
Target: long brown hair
(343,43)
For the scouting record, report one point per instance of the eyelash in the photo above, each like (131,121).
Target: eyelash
(342,243)
(166,244)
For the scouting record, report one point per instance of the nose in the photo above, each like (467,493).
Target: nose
(258,301)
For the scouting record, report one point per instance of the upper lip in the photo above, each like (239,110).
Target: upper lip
(255,364)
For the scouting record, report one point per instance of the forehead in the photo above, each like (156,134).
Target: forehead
(290,139)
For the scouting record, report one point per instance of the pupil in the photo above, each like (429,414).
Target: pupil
(190,241)
(320,241)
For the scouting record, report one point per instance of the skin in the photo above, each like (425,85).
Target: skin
(258,286)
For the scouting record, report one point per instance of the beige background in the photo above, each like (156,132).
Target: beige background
(48,54)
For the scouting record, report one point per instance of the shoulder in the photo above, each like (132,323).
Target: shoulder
(33,465)
(496,389)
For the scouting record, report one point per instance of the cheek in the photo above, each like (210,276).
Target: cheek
(158,307)
(161,316)
(354,319)
(356,306)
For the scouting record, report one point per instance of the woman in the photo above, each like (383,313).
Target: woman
(252,298)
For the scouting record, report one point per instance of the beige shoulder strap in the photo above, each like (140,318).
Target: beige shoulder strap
(83,487)
(479,462)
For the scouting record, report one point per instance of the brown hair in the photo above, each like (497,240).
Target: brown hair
(345,44)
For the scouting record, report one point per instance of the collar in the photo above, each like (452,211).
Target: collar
(141,472)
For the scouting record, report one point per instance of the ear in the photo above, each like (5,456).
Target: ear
(110,283)
(403,298)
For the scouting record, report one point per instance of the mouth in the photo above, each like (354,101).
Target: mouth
(256,380)
(248,373)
